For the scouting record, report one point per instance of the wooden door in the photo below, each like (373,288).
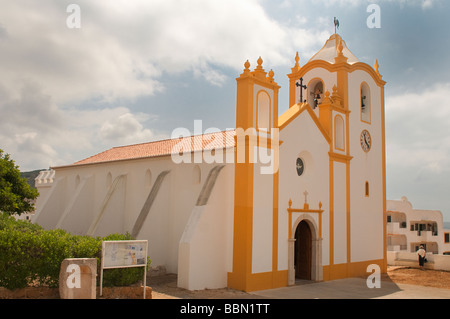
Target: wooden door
(303,251)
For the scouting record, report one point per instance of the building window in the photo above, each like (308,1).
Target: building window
(315,93)
(339,133)
(365,103)
(447,238)
(263,110)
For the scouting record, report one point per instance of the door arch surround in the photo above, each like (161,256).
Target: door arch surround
(315,262)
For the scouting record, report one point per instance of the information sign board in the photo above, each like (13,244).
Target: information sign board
(123,254)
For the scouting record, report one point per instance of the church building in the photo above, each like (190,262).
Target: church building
(301,195)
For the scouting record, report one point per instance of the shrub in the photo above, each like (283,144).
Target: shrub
(31,255)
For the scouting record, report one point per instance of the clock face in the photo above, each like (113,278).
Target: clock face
(366,141)
(300,166)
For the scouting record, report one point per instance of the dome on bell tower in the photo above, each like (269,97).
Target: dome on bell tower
(331,50)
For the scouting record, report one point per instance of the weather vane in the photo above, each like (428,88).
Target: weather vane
(336,24)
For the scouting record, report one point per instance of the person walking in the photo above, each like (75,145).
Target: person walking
(422,254)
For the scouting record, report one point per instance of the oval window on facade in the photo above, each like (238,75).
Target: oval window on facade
(300,166)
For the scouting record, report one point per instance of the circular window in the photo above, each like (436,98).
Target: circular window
(300,165)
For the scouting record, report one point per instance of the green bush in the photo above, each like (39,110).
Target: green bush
(31,255)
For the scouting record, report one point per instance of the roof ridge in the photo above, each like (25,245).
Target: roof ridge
(169,139)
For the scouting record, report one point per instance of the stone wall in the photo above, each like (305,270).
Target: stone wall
(400,258)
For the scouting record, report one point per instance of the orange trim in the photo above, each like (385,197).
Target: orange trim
(333,67)
(331,186)
(305,210)
(355,269)
(275,224)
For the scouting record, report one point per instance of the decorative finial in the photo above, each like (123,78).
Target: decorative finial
(340,48)
(260,61)
(335,97)
(259,71)
(376,66)
(296,67)
(271,74)
(247,66)
(327,99)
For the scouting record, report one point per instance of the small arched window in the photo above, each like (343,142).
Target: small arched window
(339,141)
(263,109)
(365,103)
(366,189)
(315,93)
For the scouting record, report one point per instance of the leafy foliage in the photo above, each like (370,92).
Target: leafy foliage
(31,255)
(15,194)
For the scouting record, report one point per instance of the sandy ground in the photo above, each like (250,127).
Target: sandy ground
(165,286)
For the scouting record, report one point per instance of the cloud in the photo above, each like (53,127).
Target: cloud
(417,130)
(418,147)
(123,47)
(125,129)
(65,92)
(425,4)
(38,134)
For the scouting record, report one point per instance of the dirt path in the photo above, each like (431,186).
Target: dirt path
(165,287)
(415,276)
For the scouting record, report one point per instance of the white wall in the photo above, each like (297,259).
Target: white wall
(366,212)
(418,216)
(205,248)
(76,206)
(340,212)
(302,138)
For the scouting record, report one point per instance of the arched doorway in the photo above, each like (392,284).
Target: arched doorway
(303,251)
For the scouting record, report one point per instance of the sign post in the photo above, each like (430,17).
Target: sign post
(123,254)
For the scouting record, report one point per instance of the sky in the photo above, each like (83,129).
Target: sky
(133,71)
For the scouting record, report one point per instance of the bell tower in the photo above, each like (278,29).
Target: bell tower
(255,238)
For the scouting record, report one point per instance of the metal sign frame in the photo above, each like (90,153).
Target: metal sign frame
(129,243)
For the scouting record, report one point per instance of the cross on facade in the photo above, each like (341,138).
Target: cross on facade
(306,196)
(302,86)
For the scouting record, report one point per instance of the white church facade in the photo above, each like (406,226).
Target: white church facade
(296,195)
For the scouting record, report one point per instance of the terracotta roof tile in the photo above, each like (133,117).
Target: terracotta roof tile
(219,140)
